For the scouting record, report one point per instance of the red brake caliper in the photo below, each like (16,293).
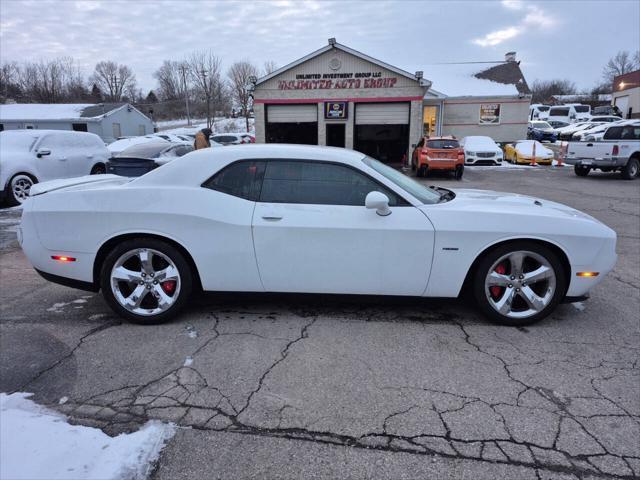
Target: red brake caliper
(496,290)
(169,286)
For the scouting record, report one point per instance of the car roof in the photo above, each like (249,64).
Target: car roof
(195,167)
(146,149)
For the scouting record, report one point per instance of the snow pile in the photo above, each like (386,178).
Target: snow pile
(37,443)
(220,125)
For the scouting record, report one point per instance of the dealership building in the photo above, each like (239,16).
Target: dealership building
(337,96)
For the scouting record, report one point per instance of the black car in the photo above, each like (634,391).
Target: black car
(140,159)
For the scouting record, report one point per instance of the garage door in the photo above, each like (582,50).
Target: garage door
(382,113)
(292,113)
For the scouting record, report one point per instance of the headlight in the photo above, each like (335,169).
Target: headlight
(469,153)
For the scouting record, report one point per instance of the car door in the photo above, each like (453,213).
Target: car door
(54,164)
(312,233)
(81,154)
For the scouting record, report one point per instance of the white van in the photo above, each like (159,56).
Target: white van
(563,115)
(538,111)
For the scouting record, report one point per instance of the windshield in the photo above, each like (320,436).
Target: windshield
(543,109)
(422,193)
(442,144)
(144,150)
(559,112)
(540,125)
(582,108)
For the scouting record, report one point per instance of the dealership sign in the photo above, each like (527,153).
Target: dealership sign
(324,81)
(489,113)
(335,110)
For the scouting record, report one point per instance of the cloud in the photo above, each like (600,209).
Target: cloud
(513,4)
(536,17)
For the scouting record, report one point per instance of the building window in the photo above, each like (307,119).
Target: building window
(29,126)
(1,127)
(430,120)
(79,127)
(117,133)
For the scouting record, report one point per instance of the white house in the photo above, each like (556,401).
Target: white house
(107,120)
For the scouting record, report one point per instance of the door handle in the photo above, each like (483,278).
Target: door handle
(272,218)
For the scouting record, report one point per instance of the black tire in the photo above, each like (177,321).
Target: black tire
(632,169)
(12,200)
(186,279)
(459,171)
(422,171)
(492,256)
(99,169)
(581,170)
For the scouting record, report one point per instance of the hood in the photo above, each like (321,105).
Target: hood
(87,182)
(489,201)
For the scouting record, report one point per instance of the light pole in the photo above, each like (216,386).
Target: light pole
(183,68)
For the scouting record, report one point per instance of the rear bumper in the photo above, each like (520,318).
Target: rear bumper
(69,282)
(597,162)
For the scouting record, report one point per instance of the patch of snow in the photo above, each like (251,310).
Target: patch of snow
(188,362)
(578,306)
(37,443)
(191,332)
(458,80)
(42,111)
(63,400)
(80,300)
(57,307)
(97,316)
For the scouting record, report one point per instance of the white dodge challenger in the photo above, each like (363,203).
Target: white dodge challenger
(287,218)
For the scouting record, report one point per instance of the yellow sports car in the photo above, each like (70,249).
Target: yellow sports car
(521,152)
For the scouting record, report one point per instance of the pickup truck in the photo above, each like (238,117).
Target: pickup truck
(619,150)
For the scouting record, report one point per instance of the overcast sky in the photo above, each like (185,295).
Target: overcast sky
(553,39)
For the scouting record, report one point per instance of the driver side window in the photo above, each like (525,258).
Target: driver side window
(318,183)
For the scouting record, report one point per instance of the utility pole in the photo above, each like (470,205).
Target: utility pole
(183,69)
(207,94)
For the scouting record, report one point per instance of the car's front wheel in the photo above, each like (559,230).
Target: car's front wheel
(519,283)
(146,280)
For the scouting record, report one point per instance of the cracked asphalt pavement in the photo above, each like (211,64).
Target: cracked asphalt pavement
(297,386)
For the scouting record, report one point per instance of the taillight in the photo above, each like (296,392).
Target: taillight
(62,258)
(615,150)
(425,151)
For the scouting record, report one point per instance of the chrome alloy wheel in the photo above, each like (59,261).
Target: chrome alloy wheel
(145,281)
(20,187)
(520,284)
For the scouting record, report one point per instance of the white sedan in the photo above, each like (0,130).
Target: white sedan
(293,218)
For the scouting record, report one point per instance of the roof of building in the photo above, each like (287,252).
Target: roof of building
(626,81)
(479,79)
(602,97)
(56,111)
(348,50)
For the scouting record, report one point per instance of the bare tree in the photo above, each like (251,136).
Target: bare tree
(239,75)
(171,84)
(114,80)
(269,67)
(623,62)
(543,90)
(204,71)
(9,80)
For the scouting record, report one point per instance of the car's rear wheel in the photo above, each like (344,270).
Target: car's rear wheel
(519,283)
(422,171)
(581,170)
(631,170)
(19,188)
(459,171)
(99,169)
(146,280)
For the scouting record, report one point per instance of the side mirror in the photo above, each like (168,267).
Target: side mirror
(378,201)
(42,152)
